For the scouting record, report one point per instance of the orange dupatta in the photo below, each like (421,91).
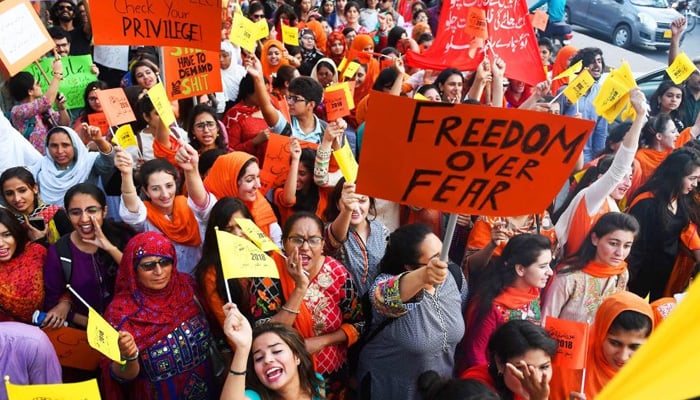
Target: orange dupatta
(598,372)
(649,160)
(269,69)
(513,298)
(182,228)
(222,181)
(604,270)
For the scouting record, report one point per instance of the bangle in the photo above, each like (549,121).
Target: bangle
(289,310)
(237,373)
(134,358)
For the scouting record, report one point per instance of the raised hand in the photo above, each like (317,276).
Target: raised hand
(237,328)
(123,161)
(187,158)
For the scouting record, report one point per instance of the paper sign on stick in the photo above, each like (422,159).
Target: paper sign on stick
(242,259)
(572,340)
(73,349)
(99,120)
(262,29)
(116,106)
(87,390)
(351,70)
(162,104)
(190,72)
(157,23)
(347,163)
(243,32)
(77,74)
(336,103)
(256,235)
(539,20)
(124,137)
(681,68)
(467,158)
(115,57)
(277,159)
(571,71)
(290,35)
(579,86)
(103,337)
(23,37)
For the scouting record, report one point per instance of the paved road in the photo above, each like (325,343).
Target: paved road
(641,60)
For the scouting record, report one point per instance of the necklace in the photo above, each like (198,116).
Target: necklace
(436,303)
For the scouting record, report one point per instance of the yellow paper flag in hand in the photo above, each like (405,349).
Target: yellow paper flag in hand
(666,366)
(162,104)
(611,91)
(681,68)
(569,72)
(351,70)
(347,163)
(290,35)
(241,259)
(87,390)
(102,337)
(124,137)
(257,236)
(262,30)
(579,86)
(244,32)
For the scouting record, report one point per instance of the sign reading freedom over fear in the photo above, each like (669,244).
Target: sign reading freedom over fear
(186,23)
(467,158)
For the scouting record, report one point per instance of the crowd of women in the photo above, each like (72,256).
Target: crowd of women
(364,306)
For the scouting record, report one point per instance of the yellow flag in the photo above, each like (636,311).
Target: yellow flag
(102,337)
(257,236)
(611,91)
(290,35)
(419,96)
(623,104)
(241,259)
(262,30)
(87,390)
(342,64)
(571,71)
(162,104)
(347,163)
(579,86)
(244,32)
(624,73)
(124,137)
(665,367)
(351,70)
(680,69)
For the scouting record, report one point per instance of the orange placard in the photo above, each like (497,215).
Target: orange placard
(157,23)
(476,23)
(190,72)
(23,38)
(467,158)
(572,341)
(277,159)
(336,104)
(99,120)
(539,20)
(116,106)
(73,349)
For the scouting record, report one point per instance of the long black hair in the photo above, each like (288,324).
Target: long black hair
(403,248)
(308,201)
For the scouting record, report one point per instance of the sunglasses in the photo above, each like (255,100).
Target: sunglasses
(61,8)
(151,265)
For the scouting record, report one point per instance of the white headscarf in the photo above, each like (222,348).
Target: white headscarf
(53,181)
(231,77)
(17,151)
(314,72)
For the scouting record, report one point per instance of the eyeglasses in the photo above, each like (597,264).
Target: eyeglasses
(256,17)
(298,241)
(205,124)
(307,37)
(151,265)
(90,211)
(295,99)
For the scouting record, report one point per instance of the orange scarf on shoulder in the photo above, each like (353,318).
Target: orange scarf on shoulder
(513,298)
(182,229)
(604,270)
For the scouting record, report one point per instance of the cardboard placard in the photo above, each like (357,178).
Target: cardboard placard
(572,341)
(190,72)
(115,57)
(467,158)
(77,74)
(86,390)
(73,349)
(157,23)
(277,159)
(23,37)
(116,106)
(336,104)
(99,120)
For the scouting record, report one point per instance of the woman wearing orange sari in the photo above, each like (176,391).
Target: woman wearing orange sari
(622,324)
(237,174)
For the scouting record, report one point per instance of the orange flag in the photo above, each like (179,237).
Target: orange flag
(572,340)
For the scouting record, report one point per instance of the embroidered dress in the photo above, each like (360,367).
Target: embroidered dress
(22,284)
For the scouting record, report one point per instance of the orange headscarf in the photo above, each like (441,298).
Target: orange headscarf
(419,29)
(561,63)
(356,51)
(319,34)
(269,69)
(222,181)
(598,372)
(336,36)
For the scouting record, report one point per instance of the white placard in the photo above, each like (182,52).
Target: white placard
(116,57)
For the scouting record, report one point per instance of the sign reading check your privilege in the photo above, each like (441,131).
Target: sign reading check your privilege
(467,158)
(186,23)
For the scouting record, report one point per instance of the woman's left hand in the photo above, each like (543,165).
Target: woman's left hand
(93,132)
(33,233)
(100,239)
(533,381)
